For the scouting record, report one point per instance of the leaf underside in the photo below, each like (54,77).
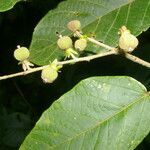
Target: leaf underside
(100,18)
(99,113)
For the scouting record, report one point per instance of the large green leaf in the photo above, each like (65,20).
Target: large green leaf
(100,113)
(102,18)
(7,4)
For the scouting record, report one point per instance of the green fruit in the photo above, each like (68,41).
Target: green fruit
(74,25)
(64,42)
(81,44)
(128,42)
(21,53)
(49,74)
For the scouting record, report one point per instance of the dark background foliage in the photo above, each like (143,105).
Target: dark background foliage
(23,99)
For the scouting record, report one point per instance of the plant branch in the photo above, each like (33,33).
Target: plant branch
(127,55)
(22,73)
(137,60)
(112,51)
(95,41)
(87,58)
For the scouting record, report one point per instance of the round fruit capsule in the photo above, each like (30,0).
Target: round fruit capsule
(128,42)
(21,53)
(80,44)
(64,42)
(74,25)
(49,74)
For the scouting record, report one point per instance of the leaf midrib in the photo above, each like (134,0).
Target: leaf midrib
(105,120)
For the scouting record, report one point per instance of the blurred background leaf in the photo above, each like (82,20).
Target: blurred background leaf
(6,5)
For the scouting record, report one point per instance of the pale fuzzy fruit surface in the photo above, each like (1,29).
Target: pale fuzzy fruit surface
(64,42)
(21,53)
(74,25)
(81,44)
(128,42)
(49,74)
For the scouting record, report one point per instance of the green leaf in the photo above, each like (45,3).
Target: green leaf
(102,18)
(7,4)
(100,113)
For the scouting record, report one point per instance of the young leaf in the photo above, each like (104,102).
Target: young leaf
(7,4)
(100,17)
(100,113)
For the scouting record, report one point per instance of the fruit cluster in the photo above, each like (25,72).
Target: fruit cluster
(127,42)
(65,42)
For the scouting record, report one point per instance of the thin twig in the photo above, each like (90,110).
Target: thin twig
(112,51)
(127,55)
(87,58)
(22,73)
(95,41)
(137,60)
